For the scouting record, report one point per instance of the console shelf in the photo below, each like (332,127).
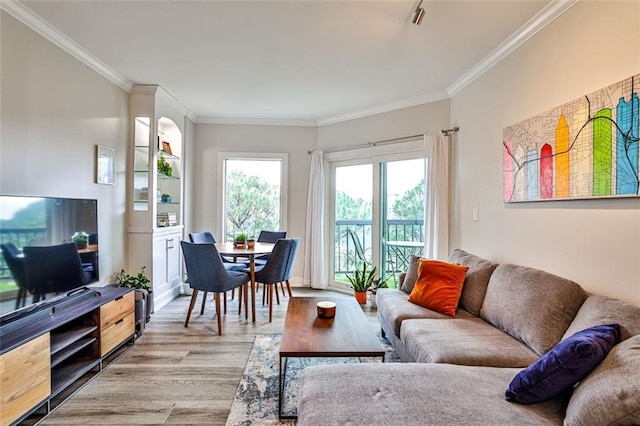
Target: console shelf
(56,346)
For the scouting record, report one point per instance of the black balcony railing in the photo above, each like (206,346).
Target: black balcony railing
(394,256)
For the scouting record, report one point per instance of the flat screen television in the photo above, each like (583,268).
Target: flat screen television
(29,226)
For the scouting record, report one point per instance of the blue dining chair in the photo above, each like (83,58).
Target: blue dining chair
(268,237)
(274,270)
(207,273)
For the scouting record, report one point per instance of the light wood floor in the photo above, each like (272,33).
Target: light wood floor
(178,375)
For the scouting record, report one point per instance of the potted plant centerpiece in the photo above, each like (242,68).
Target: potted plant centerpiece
(251,242)
(362,280)
(240,240)
(140,283)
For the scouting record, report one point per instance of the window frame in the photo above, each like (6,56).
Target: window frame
(283,157)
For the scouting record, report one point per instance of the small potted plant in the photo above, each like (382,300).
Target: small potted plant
(361,280)
(251,242)
(166,198)
(81,239)
(240,241)
(373,288)
(164,167)
(140,283)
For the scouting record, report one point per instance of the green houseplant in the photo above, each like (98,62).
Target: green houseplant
(240,240)
(140,283)
(164,167)
(362,280)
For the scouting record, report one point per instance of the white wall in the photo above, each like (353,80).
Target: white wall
(54,111)
(594,242)
(415,120)
(210,139)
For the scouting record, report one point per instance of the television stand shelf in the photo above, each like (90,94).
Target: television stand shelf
(45,356)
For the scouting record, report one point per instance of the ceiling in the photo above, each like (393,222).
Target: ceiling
(306,62)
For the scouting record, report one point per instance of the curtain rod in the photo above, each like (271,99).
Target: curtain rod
(446,132)
(375,143)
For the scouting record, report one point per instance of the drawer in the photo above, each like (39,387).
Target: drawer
(114,311)
(117,333)
(25,378)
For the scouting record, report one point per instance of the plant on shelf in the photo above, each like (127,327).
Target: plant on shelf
(166,198)
(164,167)
(362,280)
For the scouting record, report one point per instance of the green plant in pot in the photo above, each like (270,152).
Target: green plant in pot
(362,280)
(81,239)
(164,167)
(240,240)
(140,283)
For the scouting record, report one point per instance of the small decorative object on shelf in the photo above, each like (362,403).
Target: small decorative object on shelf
(166,147)
(166,198)
(164,167)
(240,241)
(81,239)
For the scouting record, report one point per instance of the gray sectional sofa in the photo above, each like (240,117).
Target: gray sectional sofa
(456,370)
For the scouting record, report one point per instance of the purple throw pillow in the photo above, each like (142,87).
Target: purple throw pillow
(568,362)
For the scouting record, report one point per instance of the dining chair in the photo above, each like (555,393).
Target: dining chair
(208,238)
(274,270)
(53,269)
(268,237)
(15,263)
(207,273)
(290,260)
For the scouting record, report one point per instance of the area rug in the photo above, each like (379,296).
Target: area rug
(256,401)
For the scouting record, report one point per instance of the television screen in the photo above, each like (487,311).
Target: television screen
(49,246)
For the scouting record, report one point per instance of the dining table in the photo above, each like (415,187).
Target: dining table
(229,249)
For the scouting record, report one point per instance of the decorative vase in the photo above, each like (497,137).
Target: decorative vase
(361,297)
(372,299)
(251,243)
(239,244)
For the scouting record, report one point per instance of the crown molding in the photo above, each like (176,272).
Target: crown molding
(392,106)
(543,18)
(257,121)
(26,16)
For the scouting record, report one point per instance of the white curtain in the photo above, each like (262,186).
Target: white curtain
(436,212)
(314,259)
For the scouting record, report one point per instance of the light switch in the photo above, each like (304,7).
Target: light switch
(476,214)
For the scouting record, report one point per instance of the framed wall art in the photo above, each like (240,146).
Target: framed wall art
(586,148)
(105,165)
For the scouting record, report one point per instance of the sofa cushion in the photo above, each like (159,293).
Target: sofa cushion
(476,281)
(562,367)
(439,286)
(604,310)
(468,341)
(414,394)
(533,306)
(394,307)
(411,276)
(610,394)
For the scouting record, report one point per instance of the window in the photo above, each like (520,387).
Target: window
(254,193)
(377,210)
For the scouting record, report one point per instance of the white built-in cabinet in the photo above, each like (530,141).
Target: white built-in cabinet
(155,200)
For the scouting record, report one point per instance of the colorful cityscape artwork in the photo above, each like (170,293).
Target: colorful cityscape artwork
(586,148)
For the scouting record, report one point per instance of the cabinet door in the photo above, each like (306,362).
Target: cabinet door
(25,378)
(173,260)
(166,262)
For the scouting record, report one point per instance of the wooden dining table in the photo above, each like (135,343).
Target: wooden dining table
(230,250)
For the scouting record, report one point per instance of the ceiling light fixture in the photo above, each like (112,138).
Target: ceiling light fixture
(418,14)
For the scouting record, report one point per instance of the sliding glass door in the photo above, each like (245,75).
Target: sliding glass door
(377,213)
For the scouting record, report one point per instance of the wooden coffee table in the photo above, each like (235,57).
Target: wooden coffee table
(349,334)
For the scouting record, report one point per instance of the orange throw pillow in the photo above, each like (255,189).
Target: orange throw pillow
(439,286)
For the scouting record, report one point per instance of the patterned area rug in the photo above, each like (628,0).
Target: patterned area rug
(256,401)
